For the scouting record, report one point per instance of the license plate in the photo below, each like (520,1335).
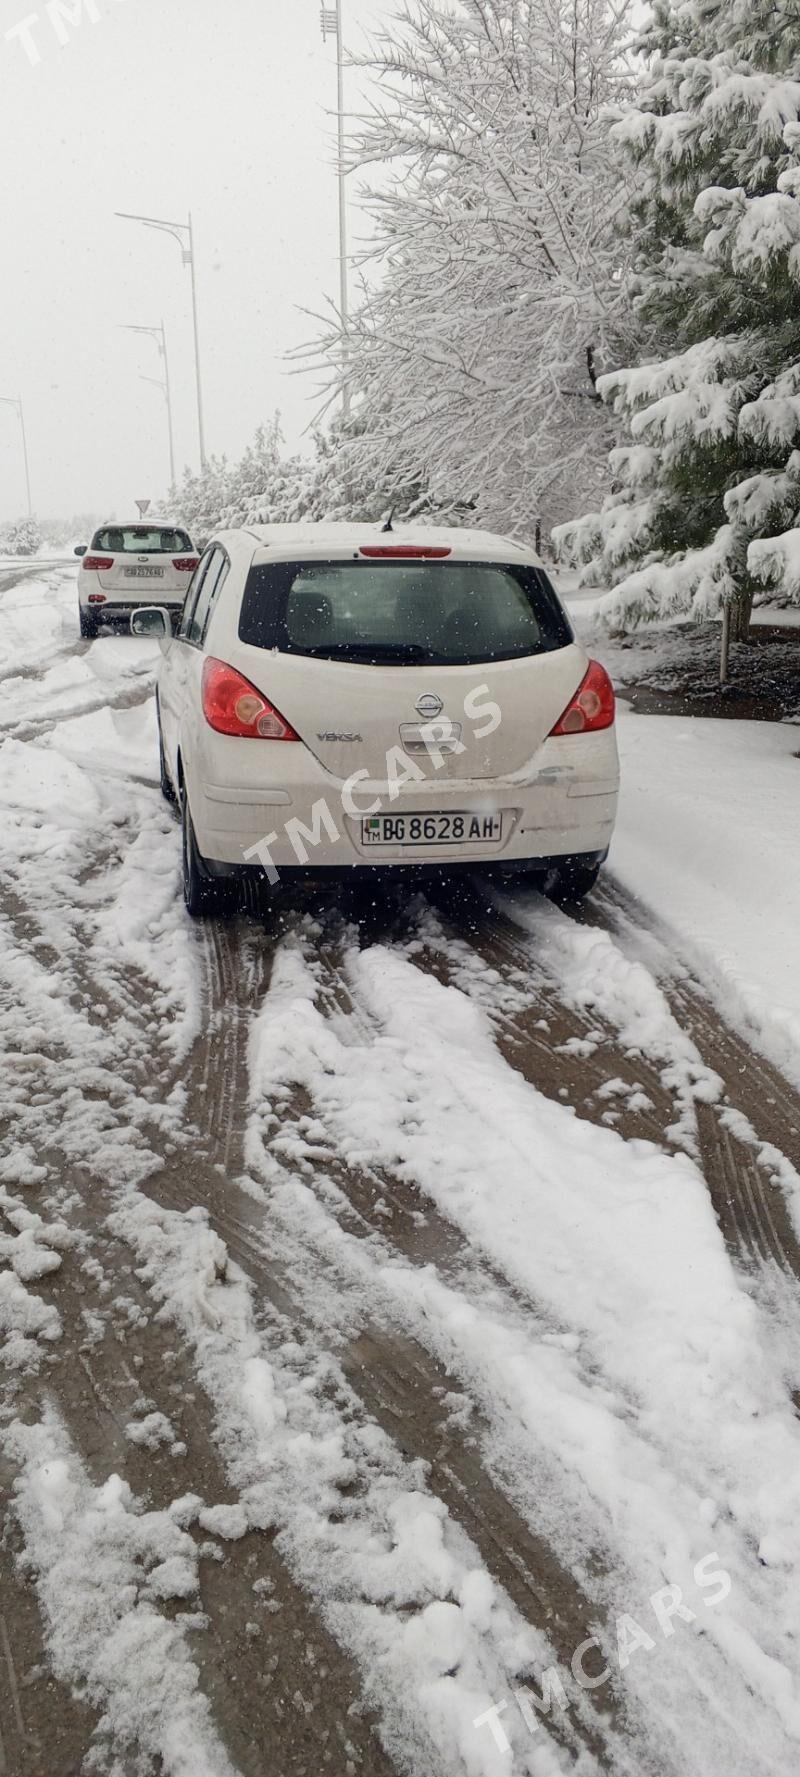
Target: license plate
(432,829)
(144,573)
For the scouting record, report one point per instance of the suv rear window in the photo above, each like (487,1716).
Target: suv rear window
(136,540)
(403,613)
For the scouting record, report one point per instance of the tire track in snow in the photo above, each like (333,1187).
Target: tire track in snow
(264,1637)
(396,1380)
(749,1136)
(396,1383)
(745,1139)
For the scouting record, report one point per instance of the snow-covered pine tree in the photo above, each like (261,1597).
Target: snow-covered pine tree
(710,475)
(200,499)
(265,487)
(472,363)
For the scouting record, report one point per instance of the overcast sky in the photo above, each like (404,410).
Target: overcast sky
(162,106)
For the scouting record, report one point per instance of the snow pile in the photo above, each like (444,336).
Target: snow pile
(707,837)
(103,1566)
(35,1250)
(32,1251)
(24,1319)
(42,606)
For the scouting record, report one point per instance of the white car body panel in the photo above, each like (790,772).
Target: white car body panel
(557,796)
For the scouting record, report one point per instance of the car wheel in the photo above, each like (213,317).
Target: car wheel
(203,895)
(165,781)
(88,626)
(571,882)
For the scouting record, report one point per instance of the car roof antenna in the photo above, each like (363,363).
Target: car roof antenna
(389,525)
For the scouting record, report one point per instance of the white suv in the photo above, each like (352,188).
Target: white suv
(126,564)
(338,698)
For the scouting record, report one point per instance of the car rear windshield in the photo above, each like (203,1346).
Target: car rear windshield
(141,540)
(403,613)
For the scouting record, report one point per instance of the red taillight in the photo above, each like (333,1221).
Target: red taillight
(97,598)
(231,705)
(405,551)
(592,707)
(98,564)
(186,564)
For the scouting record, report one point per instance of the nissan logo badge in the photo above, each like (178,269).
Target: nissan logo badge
(430,706)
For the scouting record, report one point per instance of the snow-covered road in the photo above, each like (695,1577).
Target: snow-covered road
(400,1309)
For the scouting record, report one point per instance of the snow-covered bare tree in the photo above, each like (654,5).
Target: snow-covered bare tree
(708,483)
(492,290)
(342,483)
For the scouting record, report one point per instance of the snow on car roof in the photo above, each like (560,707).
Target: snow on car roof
(348,537)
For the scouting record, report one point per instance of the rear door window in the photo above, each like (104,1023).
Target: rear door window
(197,610)
(193,596)
(218,570)
(403,613)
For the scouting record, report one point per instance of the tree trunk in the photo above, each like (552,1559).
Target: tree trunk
(725,646)
(741,612)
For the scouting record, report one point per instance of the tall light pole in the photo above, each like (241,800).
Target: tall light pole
(331,20)
(183,233)
(160,336)
(16,402)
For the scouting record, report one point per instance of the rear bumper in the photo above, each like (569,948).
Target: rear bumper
(565,808)
(114,609)
(407,873)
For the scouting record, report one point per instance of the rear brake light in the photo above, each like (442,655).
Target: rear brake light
(186,564)
(97,598)
(98,564)
(404,551)
(231,705)
(592,707)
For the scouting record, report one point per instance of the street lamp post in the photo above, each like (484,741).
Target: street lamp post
(332,26)
(160,336)
(183,233)
(15,401)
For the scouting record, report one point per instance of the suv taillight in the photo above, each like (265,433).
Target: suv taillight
(97,564)
(592,707)
(186,564)
(231,705)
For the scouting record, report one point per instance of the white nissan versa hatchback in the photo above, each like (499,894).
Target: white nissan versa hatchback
(340,697)
(126,564)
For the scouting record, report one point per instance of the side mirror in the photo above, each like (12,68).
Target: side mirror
(82,549)
(152,621)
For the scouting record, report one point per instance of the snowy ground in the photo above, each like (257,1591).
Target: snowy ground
(400,1306)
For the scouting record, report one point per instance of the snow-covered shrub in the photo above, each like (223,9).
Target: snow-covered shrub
(23,538)
(707,491)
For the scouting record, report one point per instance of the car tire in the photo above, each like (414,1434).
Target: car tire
(165,780)
(203,895)
(571,882)
(88,626)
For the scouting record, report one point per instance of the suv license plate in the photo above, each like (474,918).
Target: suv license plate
(144,573)
(432,829)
